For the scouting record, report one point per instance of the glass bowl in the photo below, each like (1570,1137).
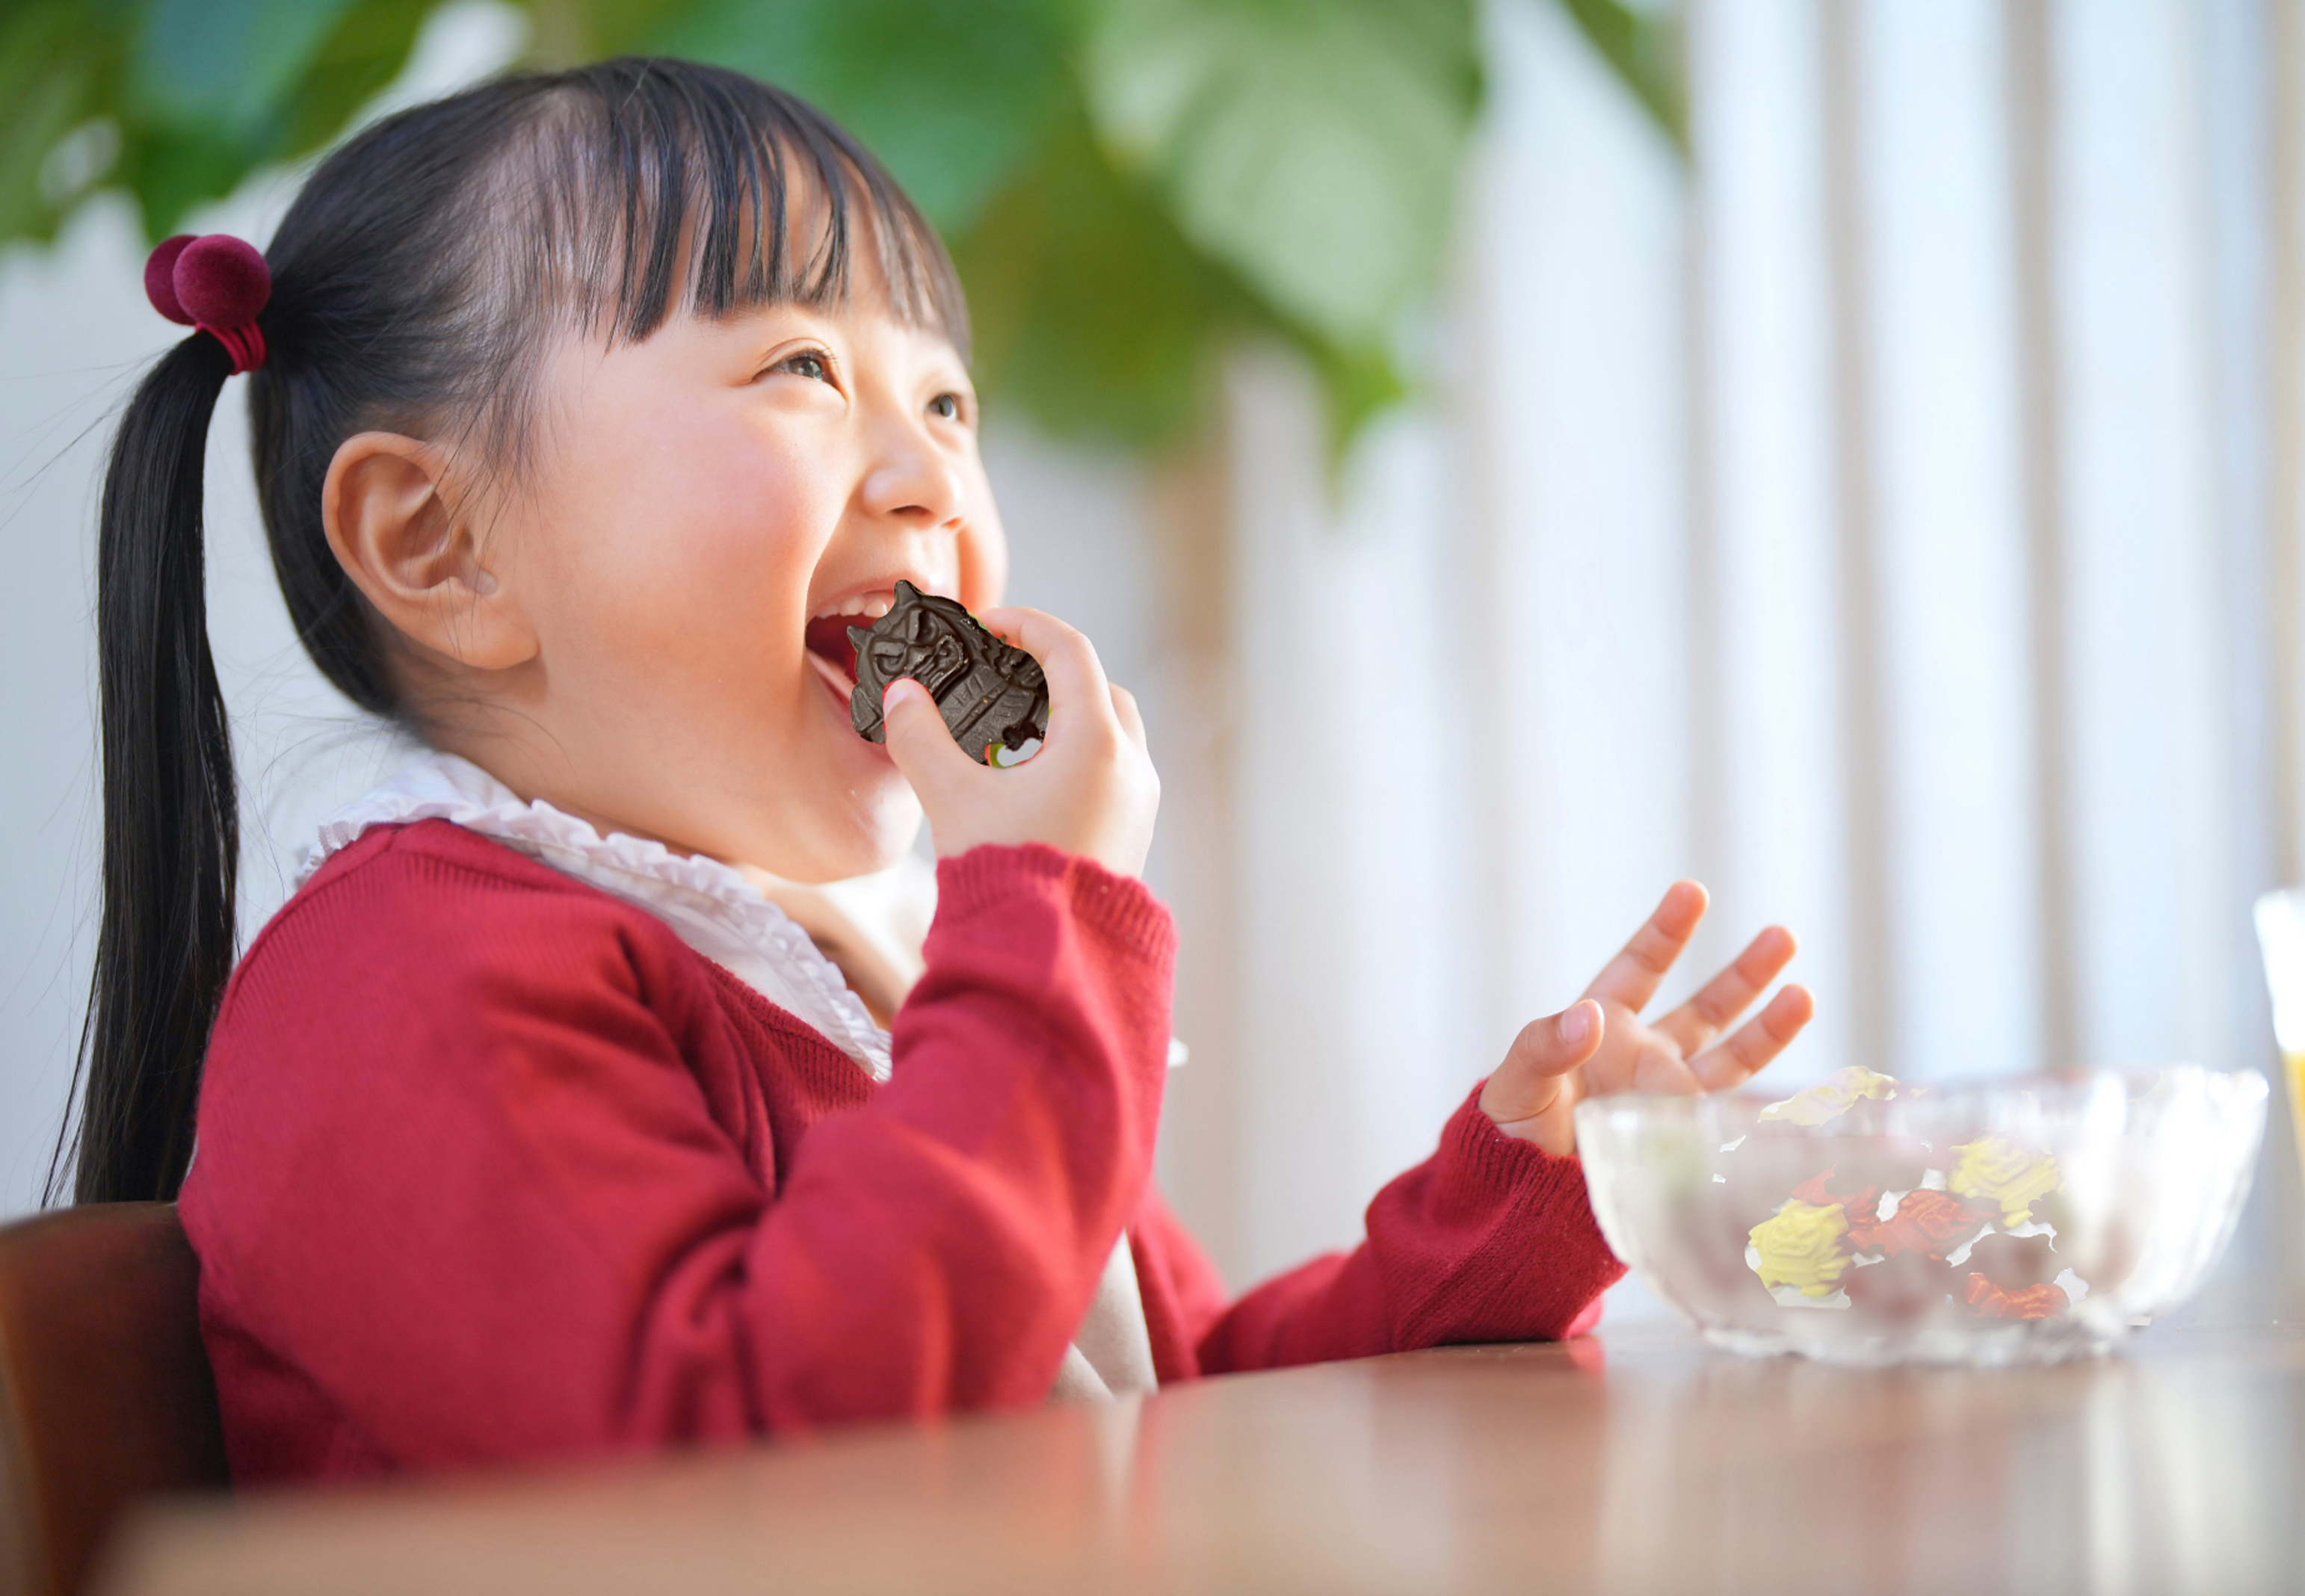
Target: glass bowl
(1864,1220)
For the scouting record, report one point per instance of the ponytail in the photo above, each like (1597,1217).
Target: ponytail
(171,815)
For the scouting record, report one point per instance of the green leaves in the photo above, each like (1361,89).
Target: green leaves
(52,72)
(953,96)
(1643,47)
(1310,145)
(362,53)
(1090,310)
(178,100)
(1127,186)
(224,66)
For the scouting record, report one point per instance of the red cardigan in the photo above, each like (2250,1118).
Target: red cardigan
(492,1165)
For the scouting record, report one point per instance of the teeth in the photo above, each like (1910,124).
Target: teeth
(869,606)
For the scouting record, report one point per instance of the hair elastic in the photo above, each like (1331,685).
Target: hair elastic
(217,284)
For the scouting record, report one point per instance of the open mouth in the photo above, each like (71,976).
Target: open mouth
(826,635)
(828,640)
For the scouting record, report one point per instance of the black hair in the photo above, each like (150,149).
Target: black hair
(415,284)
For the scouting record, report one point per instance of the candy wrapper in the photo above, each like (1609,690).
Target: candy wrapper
(1813,1250)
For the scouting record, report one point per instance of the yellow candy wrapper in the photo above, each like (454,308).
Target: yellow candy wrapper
(1834,1095)
(1994,1172)
(1799,1246)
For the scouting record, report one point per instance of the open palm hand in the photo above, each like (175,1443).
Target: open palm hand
(1600,1045)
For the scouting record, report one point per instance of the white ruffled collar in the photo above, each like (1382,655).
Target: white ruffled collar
(712,907)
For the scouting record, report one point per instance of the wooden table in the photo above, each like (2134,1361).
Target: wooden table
(1638,1462)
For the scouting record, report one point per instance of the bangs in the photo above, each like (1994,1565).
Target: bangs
(671,187)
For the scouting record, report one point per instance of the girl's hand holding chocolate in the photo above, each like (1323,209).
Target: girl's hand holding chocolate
(1599,1045)
(1090,789)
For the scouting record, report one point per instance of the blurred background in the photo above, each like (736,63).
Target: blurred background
(1520,453)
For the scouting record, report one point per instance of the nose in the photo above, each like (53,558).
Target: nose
(912,480)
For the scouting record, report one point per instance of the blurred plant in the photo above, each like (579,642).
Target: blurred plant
(1125,183)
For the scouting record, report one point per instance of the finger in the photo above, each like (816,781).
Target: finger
(1631,978)
(1124,705)
(1755,1042)
(921,743)
(1528,1082)
(1696,1022)
(1068,659)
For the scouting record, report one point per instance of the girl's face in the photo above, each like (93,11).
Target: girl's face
(703,507)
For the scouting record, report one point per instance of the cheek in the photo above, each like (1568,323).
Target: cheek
(983,555)
(692,542)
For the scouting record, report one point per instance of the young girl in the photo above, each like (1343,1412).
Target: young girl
(589,411)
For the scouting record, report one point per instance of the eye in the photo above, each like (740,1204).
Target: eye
(946,405)
(812,364)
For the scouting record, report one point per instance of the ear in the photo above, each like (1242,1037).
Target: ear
(389,521)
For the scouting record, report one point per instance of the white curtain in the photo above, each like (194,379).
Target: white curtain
(1889,516)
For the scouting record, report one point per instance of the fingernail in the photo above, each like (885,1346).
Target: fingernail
(1577,1025)
(897,692)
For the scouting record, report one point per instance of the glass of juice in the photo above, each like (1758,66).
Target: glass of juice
(2281,935)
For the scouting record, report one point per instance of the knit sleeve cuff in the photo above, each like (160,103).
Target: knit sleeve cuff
(1495,1165)
(1489,1165)
(1523,1257)
(1118,907)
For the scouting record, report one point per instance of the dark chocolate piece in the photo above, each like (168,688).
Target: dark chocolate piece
(990,692)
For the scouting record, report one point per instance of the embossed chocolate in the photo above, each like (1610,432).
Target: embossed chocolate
(990,692)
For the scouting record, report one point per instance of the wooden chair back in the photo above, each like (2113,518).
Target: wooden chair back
(105,1389)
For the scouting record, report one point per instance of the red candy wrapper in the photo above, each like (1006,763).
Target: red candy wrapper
(1858,1203)
(1929,1223)
(1988,1300)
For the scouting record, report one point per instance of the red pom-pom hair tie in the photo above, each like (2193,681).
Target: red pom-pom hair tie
(217,284)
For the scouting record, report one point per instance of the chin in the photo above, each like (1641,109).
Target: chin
(878,829)
(893,840)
